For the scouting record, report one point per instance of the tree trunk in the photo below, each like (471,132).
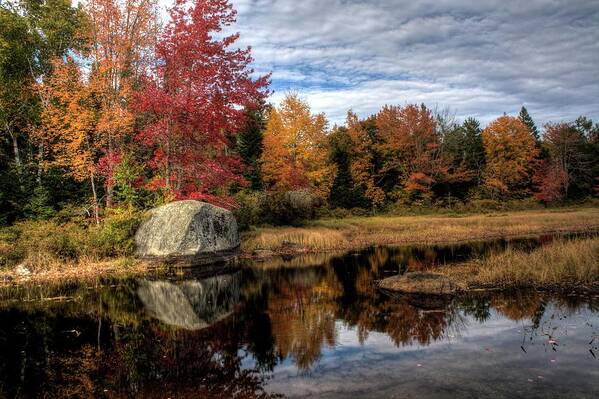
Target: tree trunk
(15,148)
(96,210)
(40,160)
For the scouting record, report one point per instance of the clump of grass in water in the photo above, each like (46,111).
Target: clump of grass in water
(563,262)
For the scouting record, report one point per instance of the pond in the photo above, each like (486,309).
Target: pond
(311,326)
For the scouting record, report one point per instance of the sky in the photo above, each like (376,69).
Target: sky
(478,58)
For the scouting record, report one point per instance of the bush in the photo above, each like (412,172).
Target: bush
(289,208)
(249,212)
(277,208)
(115,235)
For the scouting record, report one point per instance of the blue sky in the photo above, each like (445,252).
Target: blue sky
(478,58)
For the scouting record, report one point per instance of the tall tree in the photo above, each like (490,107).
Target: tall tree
(344,193)
(69,126)
(123,35)
(525,118)
(249,145)
(195,100)
(295,149)
(364,160)
(567,147)
(511,152)
(409,147)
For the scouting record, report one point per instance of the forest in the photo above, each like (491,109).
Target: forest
(105,106)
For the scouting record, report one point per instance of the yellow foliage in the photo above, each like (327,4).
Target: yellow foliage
(295,154)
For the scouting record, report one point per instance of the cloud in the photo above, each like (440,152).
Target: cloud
(479,59)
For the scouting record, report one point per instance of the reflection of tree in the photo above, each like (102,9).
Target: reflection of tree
(302,315)
(519,305)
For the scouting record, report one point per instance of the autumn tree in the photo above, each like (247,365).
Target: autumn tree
(69,126)
(123,36)
(295,152)
(510,157)
(566,146)
(409,147)
(364,163)
(194,100)
(551,182)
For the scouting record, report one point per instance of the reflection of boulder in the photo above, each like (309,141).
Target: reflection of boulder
(192,304)
(188,232)
(420,283)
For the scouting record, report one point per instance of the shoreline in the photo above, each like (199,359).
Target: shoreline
(357,234)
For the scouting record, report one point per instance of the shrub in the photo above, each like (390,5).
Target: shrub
(249,212)
(115,235)
(289,208)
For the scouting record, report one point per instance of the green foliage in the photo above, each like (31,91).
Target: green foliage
(115,235)
(38,206)
(291,207)
(525,117)
(249,212)
(249,145)
(344,193)
(42,241)
(276,208)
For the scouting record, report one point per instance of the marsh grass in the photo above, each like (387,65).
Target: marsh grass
(565,263)
(359,232)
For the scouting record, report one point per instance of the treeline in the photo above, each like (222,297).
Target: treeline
(408,156)
(101,107)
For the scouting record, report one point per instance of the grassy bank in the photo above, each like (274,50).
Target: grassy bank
(561,264)
(52,250)
(360,232)
(44,251)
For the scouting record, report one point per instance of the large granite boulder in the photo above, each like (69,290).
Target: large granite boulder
(188,232)
(424,283)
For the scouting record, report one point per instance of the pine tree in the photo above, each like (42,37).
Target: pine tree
(249,145)
(525,117)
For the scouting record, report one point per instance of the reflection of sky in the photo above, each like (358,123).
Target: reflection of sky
(483,359)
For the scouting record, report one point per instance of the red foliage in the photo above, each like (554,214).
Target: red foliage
(195,100)
(551,181)
(107,165)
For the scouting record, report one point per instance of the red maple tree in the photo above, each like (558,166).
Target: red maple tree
(551,181)
(195,100)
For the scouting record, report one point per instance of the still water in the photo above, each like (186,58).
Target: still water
(313,326)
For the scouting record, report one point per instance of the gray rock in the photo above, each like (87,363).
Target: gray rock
(188,232)
(420,283)
(22,270)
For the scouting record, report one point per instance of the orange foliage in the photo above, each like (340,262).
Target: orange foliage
(362,162)
(511,151)
(295,155)
(123,36)
(68,122)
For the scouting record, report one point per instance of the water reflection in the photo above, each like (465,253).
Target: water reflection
(322,328)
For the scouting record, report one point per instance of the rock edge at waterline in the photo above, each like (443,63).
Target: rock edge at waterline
(189,233)
(424,283)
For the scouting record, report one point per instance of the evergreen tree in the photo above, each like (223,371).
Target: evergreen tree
(474,155)
(249,145)
(525,117)
(343,193)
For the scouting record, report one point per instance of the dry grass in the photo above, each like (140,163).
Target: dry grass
(359,232)
(561,263)
(52,270)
